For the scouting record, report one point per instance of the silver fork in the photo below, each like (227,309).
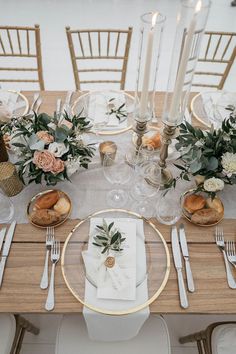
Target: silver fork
(55,256)
(231,252)
(219,236)
(49,243)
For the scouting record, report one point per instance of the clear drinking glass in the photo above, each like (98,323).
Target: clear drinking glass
(142,192)
(6,209)
(168,207)
(118,173)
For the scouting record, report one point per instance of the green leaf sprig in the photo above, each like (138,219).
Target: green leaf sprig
(119,112)
(108,237)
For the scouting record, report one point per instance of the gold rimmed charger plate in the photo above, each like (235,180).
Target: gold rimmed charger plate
(129,98)
(187,216)
(21,111)
(34,199)
(73,269)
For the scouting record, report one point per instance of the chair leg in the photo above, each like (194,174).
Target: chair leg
(199,347)
(192,337)
(22,325)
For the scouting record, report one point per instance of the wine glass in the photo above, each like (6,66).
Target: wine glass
(136,156)
(6,209)
(168,207)
(142,192)
(117,172)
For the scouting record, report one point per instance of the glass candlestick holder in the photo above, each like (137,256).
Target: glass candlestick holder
(191,22)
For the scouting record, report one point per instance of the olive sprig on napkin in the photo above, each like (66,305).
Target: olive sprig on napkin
(119,112)
(108,238)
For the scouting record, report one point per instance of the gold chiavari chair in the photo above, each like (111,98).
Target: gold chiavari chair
(210,340)
(217,55)
(88,47)
(19,43)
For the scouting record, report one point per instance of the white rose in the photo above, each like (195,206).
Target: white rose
(72,167)
(228,162)
(58,149)
(213,184)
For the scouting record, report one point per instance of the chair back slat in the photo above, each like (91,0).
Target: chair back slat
(117,43)
(10,42)
(217,55)
(99,44)
(17,42)
(90,44)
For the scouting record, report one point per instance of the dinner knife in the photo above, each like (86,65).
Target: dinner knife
(184,248)
(6,248)
(2,234)
(178,266)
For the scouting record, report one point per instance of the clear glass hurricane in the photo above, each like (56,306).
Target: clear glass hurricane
(117,172)
(6,209)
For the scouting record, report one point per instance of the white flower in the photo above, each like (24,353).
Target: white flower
(57,149)
(72,167)
(213,184)
(228,162)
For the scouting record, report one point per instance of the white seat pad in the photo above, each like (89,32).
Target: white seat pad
(7,332)
(72,338)
(223,339)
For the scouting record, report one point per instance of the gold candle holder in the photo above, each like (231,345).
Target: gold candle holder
(166,175)
(9,179)
(108,148)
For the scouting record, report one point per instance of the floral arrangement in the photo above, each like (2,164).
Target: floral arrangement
(49,148)
(210,156)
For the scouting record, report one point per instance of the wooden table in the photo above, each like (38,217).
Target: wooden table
(20,292)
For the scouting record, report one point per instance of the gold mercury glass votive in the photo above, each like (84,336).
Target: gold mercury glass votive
(9,180)
(108,148)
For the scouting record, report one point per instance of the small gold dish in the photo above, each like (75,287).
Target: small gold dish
(54,215)
(188,215)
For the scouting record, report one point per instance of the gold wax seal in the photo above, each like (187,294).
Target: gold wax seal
(110,262)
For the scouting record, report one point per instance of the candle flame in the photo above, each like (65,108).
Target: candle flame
(154,18)
(198,6)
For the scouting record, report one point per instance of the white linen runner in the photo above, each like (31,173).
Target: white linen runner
(117,328)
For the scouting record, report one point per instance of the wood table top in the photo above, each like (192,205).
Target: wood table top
(20,291)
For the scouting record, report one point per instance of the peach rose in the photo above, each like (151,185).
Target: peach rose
(44,160)
(47,138)
(58,166)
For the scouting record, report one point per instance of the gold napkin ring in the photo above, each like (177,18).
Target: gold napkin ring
(110,262)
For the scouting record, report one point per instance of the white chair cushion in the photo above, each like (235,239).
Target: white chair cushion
(7,332)
(72,338)
(223,339)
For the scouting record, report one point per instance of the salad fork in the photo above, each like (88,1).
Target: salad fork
(231,252)
(55,256)
(219,237)
(49,243)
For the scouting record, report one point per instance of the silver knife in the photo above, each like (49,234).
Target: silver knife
(184,248)
(2,234)
(6,248)
(178,266)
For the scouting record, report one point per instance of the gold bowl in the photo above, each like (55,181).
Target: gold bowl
(188,216)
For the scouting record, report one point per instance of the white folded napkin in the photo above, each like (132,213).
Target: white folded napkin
(117,328)
(99,109)
(118,282)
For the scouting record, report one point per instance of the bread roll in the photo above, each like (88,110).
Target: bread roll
(154,141)
(193,203)
(45,217)
(215,204)
(205,216)
(46,201)
(62,206)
